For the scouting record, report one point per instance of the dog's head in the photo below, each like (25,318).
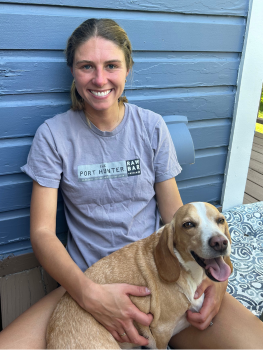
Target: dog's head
(199,233)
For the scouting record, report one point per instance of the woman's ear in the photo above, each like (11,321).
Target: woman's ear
(166,262)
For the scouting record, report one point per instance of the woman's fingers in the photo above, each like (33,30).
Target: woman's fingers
(137,291)
(130,335)
(112,307)
(116,336)
(135,313)
(213,295)
(202,288)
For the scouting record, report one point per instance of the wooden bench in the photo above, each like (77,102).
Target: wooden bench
(22,283)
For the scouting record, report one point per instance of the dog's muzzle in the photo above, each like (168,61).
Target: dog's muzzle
(216,268)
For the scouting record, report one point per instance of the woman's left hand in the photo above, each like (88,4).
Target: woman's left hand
(214,293)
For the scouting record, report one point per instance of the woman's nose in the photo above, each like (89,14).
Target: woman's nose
(100,78)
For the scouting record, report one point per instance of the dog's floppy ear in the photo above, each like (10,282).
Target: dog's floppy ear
(228,261)
(227,258)
(227,233)
(166,262)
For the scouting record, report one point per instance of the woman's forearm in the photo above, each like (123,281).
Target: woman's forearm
(55,259)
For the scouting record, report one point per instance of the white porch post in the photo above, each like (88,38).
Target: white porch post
(246,108)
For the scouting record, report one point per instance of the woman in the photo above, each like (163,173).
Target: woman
(112,161)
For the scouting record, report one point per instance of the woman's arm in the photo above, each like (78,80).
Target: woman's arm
(168,199)
(109,304)
(48,249)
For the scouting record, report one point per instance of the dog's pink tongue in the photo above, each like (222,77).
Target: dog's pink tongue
(218,268)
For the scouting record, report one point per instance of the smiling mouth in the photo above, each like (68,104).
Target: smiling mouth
(216,268)
(100,93)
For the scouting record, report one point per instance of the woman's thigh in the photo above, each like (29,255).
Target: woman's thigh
(28,331)
(234,327)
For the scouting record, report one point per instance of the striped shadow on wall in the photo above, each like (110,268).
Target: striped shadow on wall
(187,56)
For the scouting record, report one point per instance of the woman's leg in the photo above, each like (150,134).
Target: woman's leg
(234,327)
(28,331)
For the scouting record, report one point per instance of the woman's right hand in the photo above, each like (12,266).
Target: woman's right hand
(111,306)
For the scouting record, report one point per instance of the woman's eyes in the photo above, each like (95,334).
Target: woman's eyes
(90,67)
(87,66)
(111,66)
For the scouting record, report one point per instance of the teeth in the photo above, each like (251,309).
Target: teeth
(100,93)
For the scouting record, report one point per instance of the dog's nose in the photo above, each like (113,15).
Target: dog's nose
(218,243)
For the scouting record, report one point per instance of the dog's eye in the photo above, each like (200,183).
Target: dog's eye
(221,220)
(188,224)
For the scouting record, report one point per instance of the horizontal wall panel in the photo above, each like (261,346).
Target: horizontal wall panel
(10,222)
(22,114)
(23,247)
(194,103)
(183,73)
(212,133)
(41,75)
(201,190)
(16,192)
(216,7)
(223,34)
(13,154)
(208,162)
(34,77)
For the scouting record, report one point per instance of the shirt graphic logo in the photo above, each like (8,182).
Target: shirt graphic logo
(111,170)
(133,167)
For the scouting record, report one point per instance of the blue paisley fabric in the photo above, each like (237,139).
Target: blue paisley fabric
(246,228)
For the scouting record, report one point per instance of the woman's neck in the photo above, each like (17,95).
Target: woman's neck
(105,120)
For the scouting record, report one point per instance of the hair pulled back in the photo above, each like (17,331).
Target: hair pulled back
(104,28)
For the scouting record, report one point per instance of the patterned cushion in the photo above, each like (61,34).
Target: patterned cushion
(246,228)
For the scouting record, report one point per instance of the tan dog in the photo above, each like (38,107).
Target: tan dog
(171,262)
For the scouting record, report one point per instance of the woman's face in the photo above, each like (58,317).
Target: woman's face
(99,70)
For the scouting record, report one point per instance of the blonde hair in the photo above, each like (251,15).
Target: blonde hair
(104,28)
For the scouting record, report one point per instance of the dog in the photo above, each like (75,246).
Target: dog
(171,262)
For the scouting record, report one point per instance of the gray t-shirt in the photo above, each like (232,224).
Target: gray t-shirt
(106,178)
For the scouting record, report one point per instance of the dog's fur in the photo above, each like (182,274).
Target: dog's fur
(164,263)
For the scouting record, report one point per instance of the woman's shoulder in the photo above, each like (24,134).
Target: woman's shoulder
(144,113)
(61,119)
(60,122)
(151,120)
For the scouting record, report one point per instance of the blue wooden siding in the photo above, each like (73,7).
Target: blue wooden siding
(187,56)
(215,7)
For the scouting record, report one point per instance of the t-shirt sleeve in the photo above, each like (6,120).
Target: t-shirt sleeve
(44,165)
(166,164)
